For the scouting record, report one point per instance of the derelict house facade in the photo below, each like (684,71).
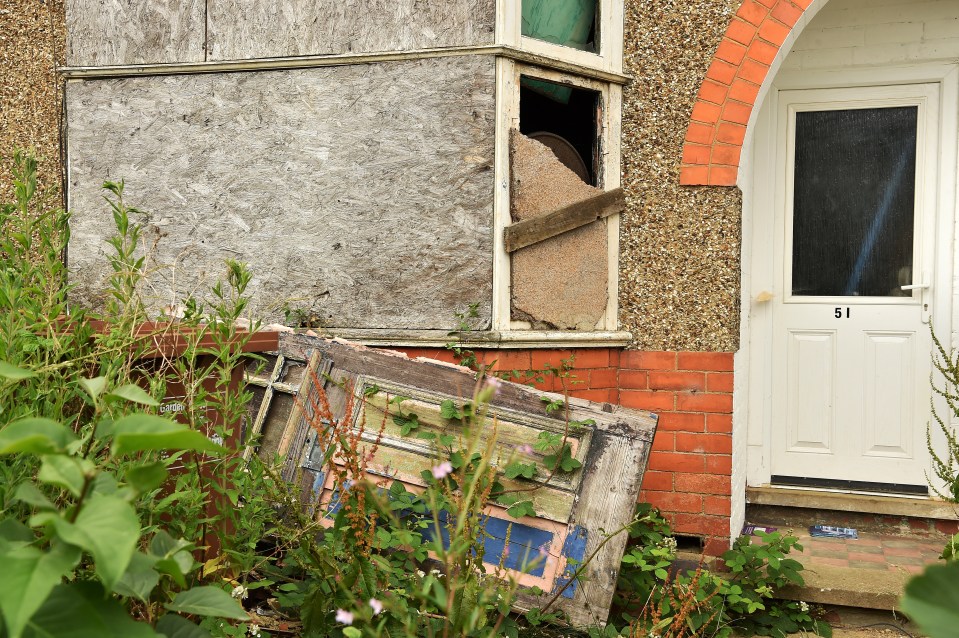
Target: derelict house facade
(764,281)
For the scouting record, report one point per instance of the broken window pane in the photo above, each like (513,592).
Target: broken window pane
(562,117)
(569,23)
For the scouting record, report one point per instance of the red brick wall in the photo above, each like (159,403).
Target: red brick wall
(690,466)
(717,125)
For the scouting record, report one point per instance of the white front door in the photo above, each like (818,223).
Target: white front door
(854,252)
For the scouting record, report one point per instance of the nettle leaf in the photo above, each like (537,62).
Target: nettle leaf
(932,600)
(174,557)
(407,423)
(173,626)
(82,609)
(521,509)
(546,441)
(146,478)
(526,470)
(207,601)
(447,440)
(29,576)
(65,471)
(94,387)
(12,530)
(134,394)
(31,495)
(13,373)
(139,579)
(35,436)
(109,529)
(448,410)
(145,432)
(568,463)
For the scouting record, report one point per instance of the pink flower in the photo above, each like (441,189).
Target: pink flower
(376,605)
(442,470)
(544,550)
(505,551)
(526,448)
(493,384)
(344,617)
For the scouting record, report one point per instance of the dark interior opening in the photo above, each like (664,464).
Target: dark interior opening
(565,118)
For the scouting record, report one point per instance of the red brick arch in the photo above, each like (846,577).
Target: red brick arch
(726,98)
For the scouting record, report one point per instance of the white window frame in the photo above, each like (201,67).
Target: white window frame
(508,73)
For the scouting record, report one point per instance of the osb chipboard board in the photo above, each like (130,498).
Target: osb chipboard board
(574,511)
(361,195)
(245,29)
(562,282)
(111,32)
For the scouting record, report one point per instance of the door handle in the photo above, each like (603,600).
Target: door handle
(915,287)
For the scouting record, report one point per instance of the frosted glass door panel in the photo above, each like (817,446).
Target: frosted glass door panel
(854,200)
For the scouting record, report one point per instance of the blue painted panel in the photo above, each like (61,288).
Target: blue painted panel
(525,542)
(574,548)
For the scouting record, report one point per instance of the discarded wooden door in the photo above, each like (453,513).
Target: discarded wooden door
(574,510)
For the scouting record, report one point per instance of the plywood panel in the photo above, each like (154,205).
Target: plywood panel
(108,32)
(245,29)
(361,195)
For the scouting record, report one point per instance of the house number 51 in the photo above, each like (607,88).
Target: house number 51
(839,314)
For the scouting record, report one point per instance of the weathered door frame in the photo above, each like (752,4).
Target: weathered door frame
(757,181)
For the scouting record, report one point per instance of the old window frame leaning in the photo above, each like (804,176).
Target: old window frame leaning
(600,72)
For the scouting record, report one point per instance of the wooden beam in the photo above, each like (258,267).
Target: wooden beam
(532,231)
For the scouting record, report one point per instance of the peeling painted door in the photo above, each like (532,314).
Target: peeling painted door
(856,251)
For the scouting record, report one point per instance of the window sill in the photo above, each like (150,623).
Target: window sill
(514,339)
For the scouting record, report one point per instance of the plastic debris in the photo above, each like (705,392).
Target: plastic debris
(826,531)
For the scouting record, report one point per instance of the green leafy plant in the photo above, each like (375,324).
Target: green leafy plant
(946,466)
(654,596)
(85,527)
(392,562)
(89,529)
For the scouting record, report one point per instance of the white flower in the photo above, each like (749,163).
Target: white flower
(344,617)
(254,630)
(442,470)
(803,607)
(240,592)
(375,605)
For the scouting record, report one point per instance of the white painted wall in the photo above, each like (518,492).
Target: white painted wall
(874,32)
